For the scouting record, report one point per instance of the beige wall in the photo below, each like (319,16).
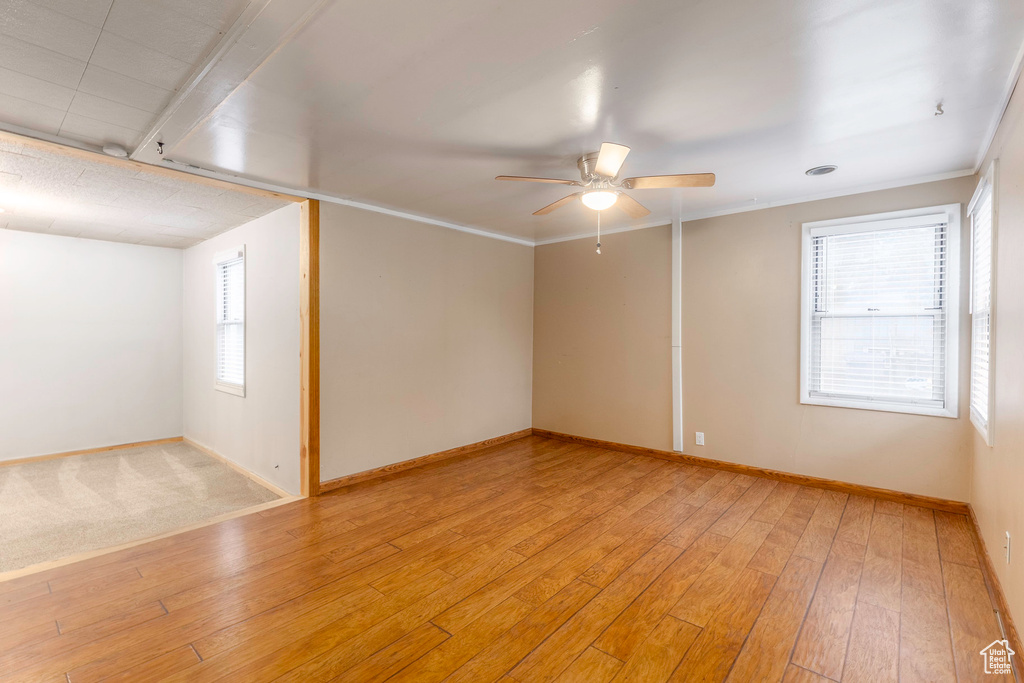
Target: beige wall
(998,481)
(602,338)
(426,339)
(741,357)
(602,357)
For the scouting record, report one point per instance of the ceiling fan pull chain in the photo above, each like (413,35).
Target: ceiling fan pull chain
(598,232)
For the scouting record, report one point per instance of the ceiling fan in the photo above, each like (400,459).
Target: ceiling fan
(598,173)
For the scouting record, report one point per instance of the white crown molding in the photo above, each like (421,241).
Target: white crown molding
(1008,89)
(344,201)
(593,233)
(482,232)
(259,185)
(803,199)
(47,137)
(700,215)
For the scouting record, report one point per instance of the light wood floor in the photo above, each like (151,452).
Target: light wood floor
(537,560)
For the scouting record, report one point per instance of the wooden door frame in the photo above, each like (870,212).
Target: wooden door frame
(309,314)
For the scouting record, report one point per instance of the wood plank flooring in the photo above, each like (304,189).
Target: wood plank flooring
(536,560)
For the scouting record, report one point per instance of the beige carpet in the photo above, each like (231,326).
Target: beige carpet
(55,508)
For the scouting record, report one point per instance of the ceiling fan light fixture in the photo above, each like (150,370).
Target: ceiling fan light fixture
(598,171)
(599,200)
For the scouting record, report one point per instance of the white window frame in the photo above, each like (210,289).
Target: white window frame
(893,219)
(218,260)
(988,182)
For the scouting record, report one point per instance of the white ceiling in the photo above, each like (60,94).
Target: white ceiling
(101,70)
(416,106)
(52,192)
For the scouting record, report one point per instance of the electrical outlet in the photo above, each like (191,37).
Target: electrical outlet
(700,438)
(1007,546)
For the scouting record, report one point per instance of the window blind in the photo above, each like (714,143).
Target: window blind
(231,320)
(878,313)
(981,306)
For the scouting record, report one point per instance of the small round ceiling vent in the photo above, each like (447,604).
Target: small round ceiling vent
(821,170)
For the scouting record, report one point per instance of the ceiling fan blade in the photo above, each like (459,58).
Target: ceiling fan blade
(631,206)
(653,182)
(610,159)
(528,179)
(554,205)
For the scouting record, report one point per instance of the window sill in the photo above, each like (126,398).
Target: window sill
(233,389)
(879,406)
(983,430)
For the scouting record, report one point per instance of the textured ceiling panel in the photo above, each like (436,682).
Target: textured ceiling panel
(100,71)
(50,192)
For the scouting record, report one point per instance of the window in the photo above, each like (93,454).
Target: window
(880,312)
(982,219)
(230,269)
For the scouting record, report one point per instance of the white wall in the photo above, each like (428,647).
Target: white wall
(426,339)
(261,430)
(90,344)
